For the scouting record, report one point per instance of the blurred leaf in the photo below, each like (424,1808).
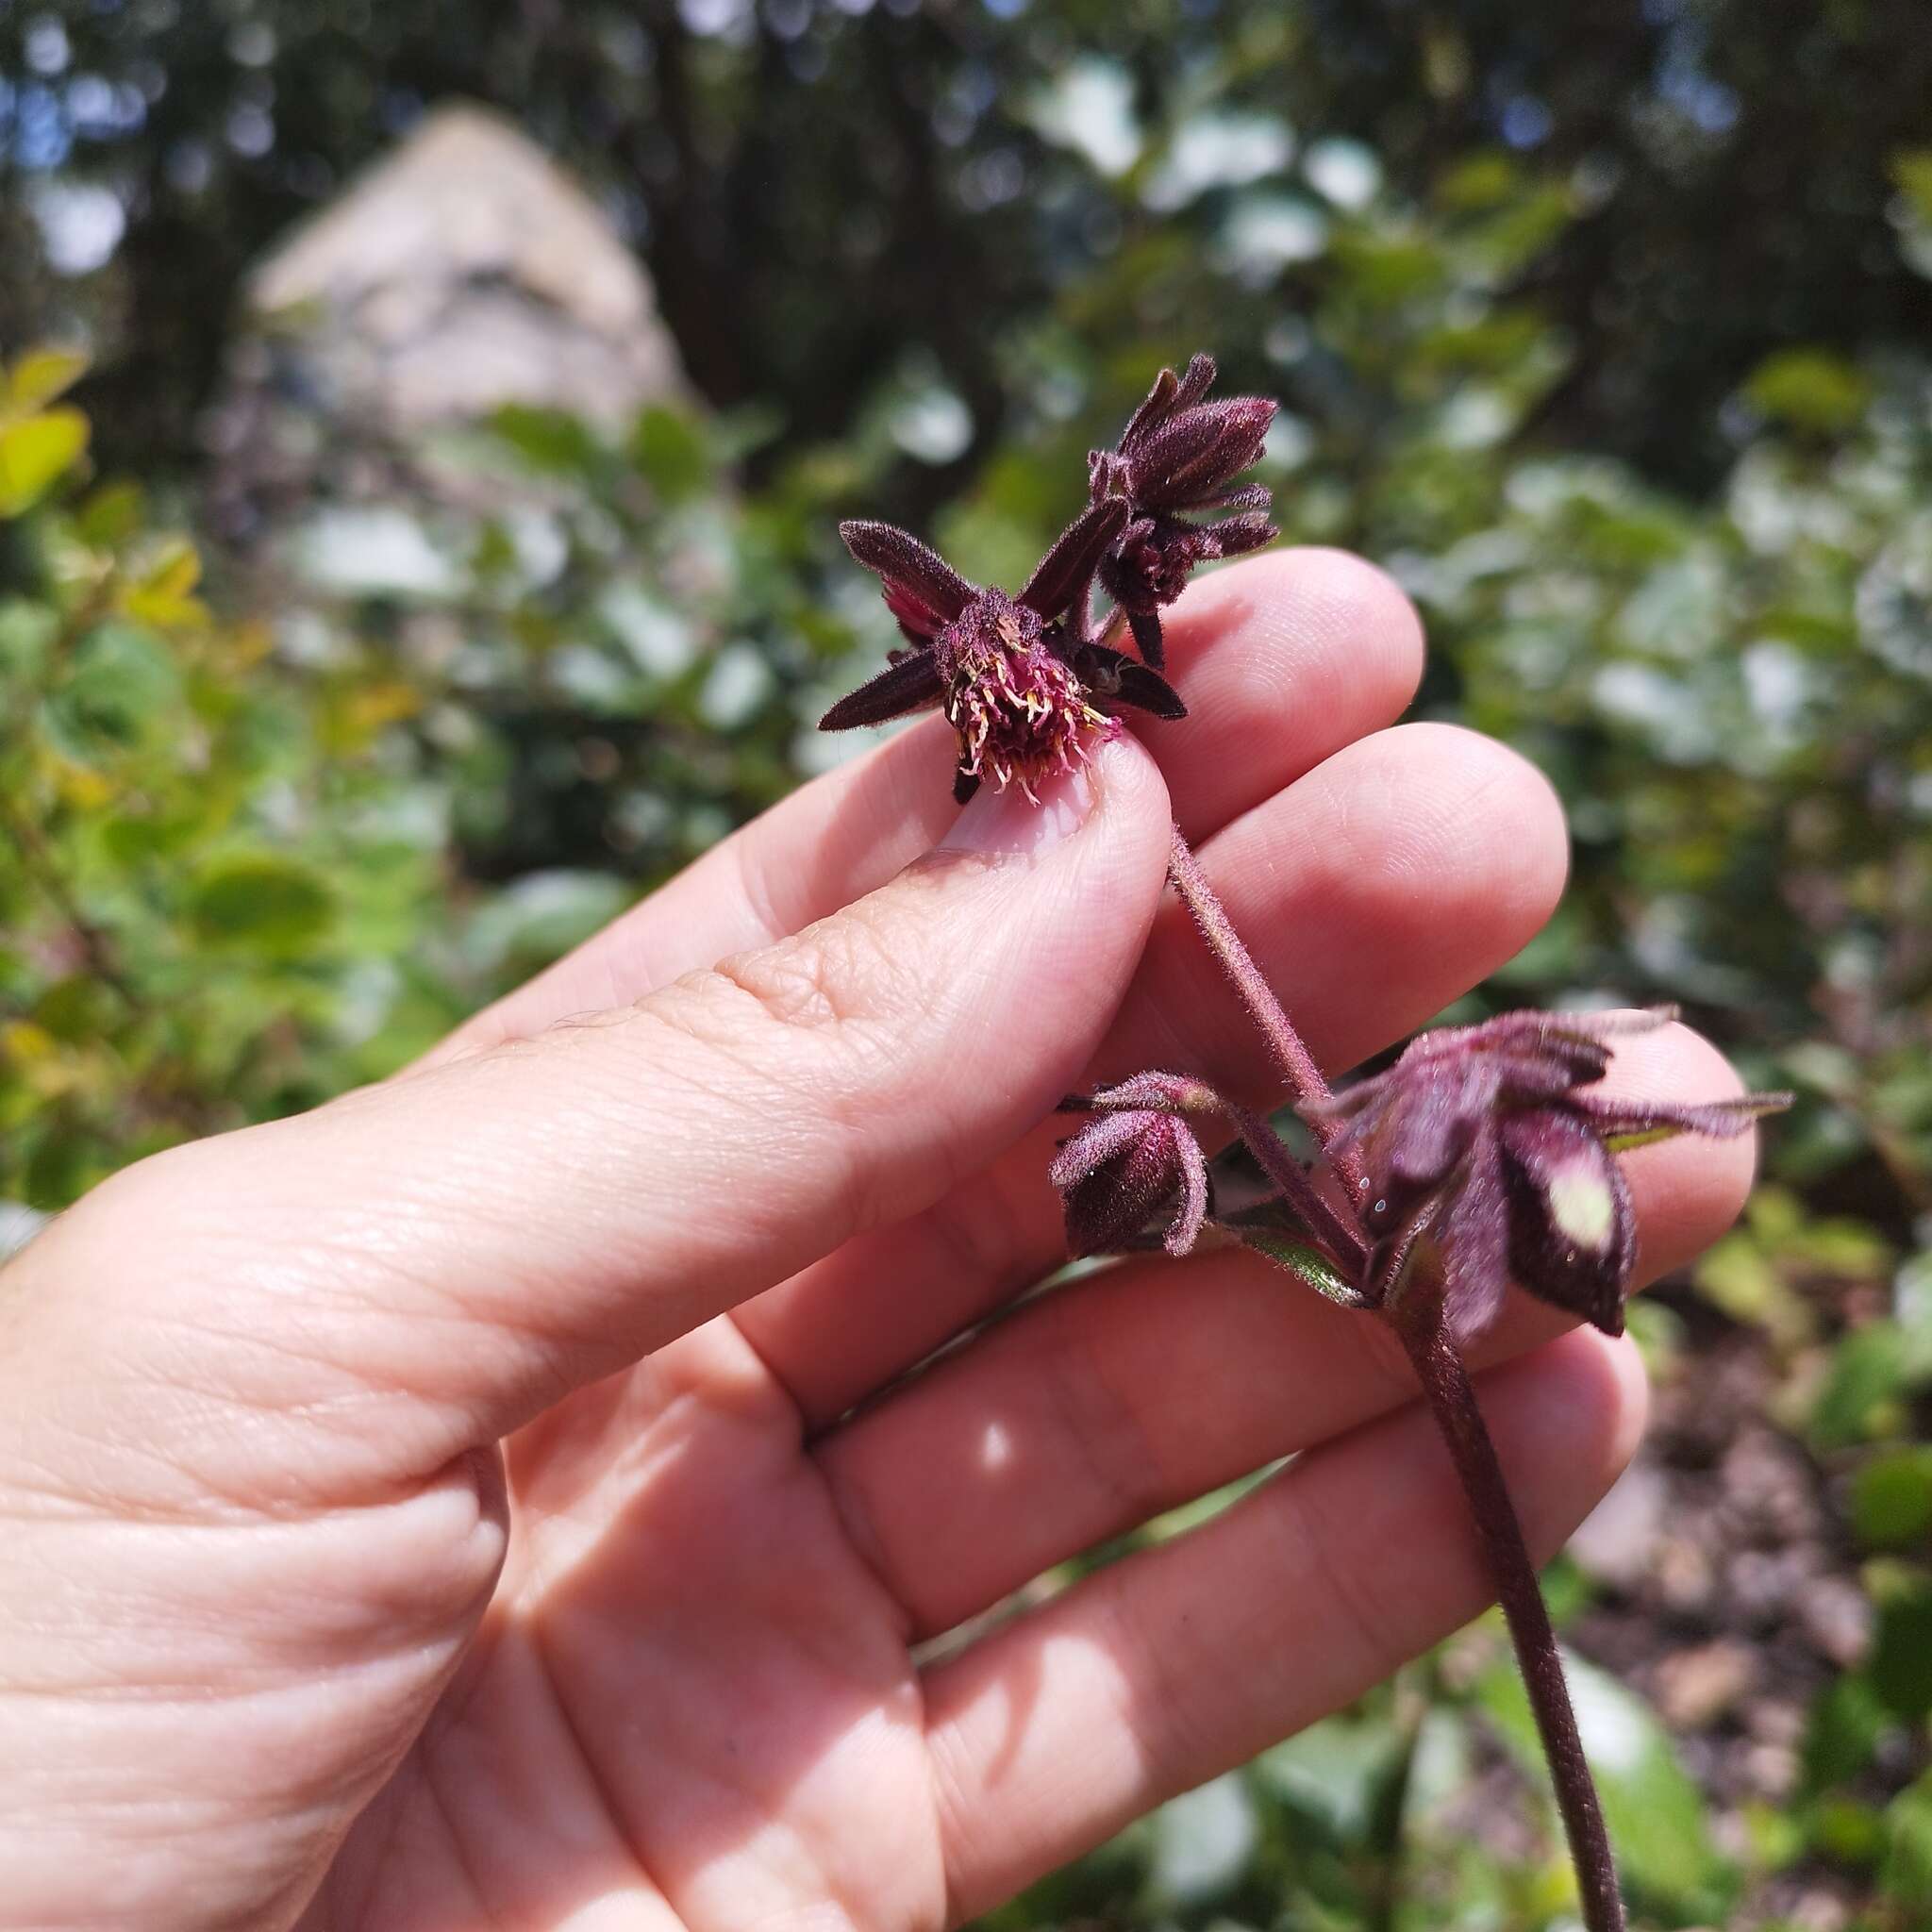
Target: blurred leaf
(1203,1841)
(1808,389)
(38,377)
(1655,1814)
(670,453)
(1912,170)
(549,441)
(120,689)
(1906,1875)
(1900,1668)
(1873,1370)
(35,454)
(1335,1772)
(1892,1499)
(273,904)
(1845,1725)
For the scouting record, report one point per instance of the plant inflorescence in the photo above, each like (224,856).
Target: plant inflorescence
(1483,1155)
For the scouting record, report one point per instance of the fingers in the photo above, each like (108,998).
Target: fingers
(1175,1664)
(1372,892)
(1149,1384)
(1283,658)
(1283,661)
(428,1262)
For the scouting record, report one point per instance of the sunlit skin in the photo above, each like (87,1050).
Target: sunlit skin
(446,1508)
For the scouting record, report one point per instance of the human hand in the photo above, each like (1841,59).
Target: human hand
(449,1507)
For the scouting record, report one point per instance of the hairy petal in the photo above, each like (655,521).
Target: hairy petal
(911,685)
(904,561)
(1626,1124)
(1572,1229)
(1068,567)
(1114,678)
(1475,1244)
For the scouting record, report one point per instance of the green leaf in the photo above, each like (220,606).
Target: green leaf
(1654,1811)
(1336,1773)
(1306,1265)
(35,454)
(1912,170)
(1901,1662)
(41,376)
(549,441)
(1203,1841)
(1872,1371)
(1906,1875)
(1843,1732)
(670,452)
(121,690)
(1810,388)
(1892,1499)
(275,907)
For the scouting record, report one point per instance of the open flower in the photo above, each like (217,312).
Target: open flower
(1480,1139)
(1021,683)
(1177,454)
(1136,1163)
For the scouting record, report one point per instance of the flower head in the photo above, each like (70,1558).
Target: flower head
(1017,677)
(1136,1163)
(1481,1140)
(1179,452)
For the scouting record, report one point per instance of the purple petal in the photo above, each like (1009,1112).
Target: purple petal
(1198,450)
(1145,624)
(1158,402)
(1068,567)
(1638,1122)
(1115,679)
(1185,1229)
(1099,1140)
(1475,1245)
(905,562)
(911,685)
(1239,535)
(1249,496)
(1572,1229)
(1196,380)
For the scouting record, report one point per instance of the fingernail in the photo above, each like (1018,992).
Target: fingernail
(1007,822)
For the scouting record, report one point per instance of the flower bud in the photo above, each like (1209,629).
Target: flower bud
(1125,1169)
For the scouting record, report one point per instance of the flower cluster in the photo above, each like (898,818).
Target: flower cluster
(1485,1140)
(1177,454)
(1024,679)
(1483,1153)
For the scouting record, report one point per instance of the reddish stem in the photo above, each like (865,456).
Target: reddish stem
(1296,1064)
(1416,1315)
(1343,1240)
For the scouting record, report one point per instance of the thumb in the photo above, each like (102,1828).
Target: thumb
(428,1263)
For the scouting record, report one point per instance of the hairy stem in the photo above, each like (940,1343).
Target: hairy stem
(1417,1318)
(1296,1064)
(1346,1247)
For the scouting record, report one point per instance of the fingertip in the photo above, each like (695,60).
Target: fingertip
(1689,1189)
(1283,658)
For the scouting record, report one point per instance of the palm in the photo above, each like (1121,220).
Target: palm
(696,1693)
(690,1661)
(696,1688)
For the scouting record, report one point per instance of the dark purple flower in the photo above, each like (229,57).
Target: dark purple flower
(1136,1162)
(1479,1139)
(1178,454)
(1018,682)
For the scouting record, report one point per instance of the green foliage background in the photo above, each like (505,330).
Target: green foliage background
(1667,508)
